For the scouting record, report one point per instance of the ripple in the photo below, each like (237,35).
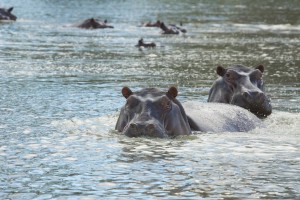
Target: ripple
(61,92)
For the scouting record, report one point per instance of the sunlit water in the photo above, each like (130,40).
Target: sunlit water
(60,96)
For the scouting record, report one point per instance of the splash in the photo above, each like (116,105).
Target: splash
(282,123)
(95,126)
(278,123)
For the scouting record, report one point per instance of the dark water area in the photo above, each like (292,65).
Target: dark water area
(60,95)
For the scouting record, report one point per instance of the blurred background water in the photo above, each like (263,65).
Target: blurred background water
(60,94)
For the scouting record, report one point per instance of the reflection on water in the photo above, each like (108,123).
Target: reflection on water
(60,94)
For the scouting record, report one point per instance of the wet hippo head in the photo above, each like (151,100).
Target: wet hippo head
(149,24)
(242,86)
(151,112)
(93,24)
(5,14)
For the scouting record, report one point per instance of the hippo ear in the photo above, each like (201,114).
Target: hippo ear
(126,92)
(172,93)
(221,70)
(10,9)
(260,68)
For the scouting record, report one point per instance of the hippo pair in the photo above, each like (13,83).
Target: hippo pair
(5,14)
(154,113)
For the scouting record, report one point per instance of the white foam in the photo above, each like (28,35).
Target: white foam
(95,126)
(278,123)
(283,123)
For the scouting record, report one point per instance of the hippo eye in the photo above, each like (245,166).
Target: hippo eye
(229,77)
(256,76)
(131,103)
(260,76)
(166,104)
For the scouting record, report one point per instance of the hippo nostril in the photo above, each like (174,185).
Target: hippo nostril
(246,95)
(150,126)
(133,126)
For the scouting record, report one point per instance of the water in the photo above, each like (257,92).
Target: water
(60,95)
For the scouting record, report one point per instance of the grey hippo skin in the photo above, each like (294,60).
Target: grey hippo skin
(241,86)
(219,117)
(153,113)
(93,24)
(5,14)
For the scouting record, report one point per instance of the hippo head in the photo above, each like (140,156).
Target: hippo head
(140,42)
(5,14)
(246,88)
(151,112)
(92,23)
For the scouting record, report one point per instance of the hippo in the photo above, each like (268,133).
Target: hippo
(173,29)
(146,45)
(5,14)
(151,112)
(93,24)
(219,117)
(242,86)
(177,27)
(155,24)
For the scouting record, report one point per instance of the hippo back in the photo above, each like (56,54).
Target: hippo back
(219,117)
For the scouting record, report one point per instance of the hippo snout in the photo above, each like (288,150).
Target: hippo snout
(254,97)
(151,129)
(255,101)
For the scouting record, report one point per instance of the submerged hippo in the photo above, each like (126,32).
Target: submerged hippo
(151,112)
(173,29)
(93,24)
(5,14)
(146,45)
(155,24)
(241,86)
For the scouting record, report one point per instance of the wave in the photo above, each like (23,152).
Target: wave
(278,123)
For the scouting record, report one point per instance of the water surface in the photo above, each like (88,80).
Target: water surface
(60,95)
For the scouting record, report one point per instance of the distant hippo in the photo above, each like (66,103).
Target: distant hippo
(149,24)
(146,45)
(218,117)
(241,86)
(173,29)
(5,14)
(93,24)
(154,113)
